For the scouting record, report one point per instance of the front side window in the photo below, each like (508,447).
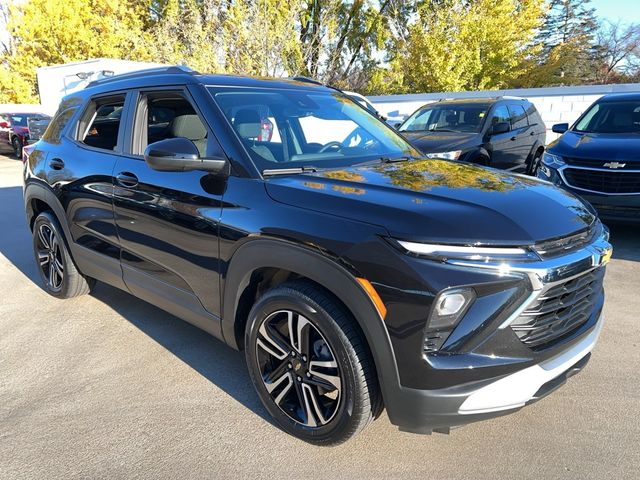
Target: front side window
(283,128)
(163,115)
(500,115)
(611,117)
(100,124)
(446,118)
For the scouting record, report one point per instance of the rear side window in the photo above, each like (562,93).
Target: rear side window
(100,124)
(532,115)
(518,116)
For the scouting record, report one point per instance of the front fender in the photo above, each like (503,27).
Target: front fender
(271,253)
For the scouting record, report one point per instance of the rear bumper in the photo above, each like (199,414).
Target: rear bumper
(422,411)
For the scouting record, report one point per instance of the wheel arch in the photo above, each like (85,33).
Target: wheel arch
(260,255)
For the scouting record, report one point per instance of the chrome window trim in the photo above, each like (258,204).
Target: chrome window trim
(564,179)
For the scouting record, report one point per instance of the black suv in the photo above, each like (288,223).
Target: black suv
(286,220)
(502,132)
(598,158)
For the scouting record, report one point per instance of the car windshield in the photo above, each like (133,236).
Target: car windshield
(611,117)
(446,118)
(283,128)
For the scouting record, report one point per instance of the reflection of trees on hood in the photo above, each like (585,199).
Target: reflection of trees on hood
(421,176)
(345,175)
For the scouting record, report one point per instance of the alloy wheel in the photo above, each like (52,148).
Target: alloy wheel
(299,369)
(50,256)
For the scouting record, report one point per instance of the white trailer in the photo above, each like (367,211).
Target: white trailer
(56,81)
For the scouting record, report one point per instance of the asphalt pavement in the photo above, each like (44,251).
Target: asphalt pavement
(108,386)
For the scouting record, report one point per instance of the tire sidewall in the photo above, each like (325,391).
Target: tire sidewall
(338,343)
(17,147)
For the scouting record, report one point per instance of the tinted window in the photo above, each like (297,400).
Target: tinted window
(518,116)
(532,115)
(103,120)
(446,118)
(611,117)
(166,115)
(317,128)
(60,120)
(500,114)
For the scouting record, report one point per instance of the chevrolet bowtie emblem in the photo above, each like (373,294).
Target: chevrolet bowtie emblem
(615,165)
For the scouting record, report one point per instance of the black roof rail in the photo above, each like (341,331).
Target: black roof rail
(300,78)
(173,69)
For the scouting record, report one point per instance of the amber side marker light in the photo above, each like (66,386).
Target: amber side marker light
(373,295)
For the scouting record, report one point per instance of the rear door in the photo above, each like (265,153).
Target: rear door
(522,141)
(168,221)
(79,168)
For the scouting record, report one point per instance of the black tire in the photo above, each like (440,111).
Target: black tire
(58,272)
(16,143)
(534,165)
(481,160)
(350,407)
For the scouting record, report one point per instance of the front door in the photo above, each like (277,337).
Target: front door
(168,221)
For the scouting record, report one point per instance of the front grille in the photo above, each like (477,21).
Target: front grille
(559,310)
(618,211)
(619,182)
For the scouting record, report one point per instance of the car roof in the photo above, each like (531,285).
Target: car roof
(183,76)
(476,101)
(616,97)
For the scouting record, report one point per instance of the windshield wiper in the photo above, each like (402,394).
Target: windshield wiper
(395,159)
(288,171)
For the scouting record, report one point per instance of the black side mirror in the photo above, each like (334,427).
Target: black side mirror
(180,155)
(500,127)
(397,125)
(560,128)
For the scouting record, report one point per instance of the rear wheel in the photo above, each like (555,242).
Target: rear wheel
(534,165)
(310,364)
(59,274)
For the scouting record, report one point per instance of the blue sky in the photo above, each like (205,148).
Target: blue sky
(614,10)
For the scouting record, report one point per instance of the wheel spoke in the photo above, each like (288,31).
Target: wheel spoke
(52,273)
(271,344)
(43,257)
(271,386)
(333,380)
(312,407)
(43,237)
(59,265)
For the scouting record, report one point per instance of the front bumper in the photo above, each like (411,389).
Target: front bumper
(424,411)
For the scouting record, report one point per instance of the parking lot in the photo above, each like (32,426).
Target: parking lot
(108,386)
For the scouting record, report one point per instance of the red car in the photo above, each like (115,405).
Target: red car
(20,129)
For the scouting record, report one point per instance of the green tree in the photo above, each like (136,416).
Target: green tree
(462,45)
(567,37)
(49,32)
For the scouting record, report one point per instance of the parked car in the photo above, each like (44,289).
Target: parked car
(14,129)
(502,132)
(598,158)
(354,274)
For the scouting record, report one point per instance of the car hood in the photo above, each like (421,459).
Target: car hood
(437,200)
(434,142)
(598,146)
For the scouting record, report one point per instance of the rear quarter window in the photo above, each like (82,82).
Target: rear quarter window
(66,111)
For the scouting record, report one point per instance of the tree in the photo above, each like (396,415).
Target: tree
(566,37)
(617,52)
(458,45)
(49,32)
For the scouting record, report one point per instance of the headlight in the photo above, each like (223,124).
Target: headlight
(552,160)
(470,252)
(453,155)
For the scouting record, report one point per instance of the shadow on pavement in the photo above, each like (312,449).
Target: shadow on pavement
(211,358)
(626,241)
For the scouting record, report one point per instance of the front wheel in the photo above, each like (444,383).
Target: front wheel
(310,365)
(534,166)
(59,274)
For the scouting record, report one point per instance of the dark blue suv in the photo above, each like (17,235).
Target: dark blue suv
(598,158)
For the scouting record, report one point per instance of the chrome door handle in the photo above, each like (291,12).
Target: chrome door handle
(127,180)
